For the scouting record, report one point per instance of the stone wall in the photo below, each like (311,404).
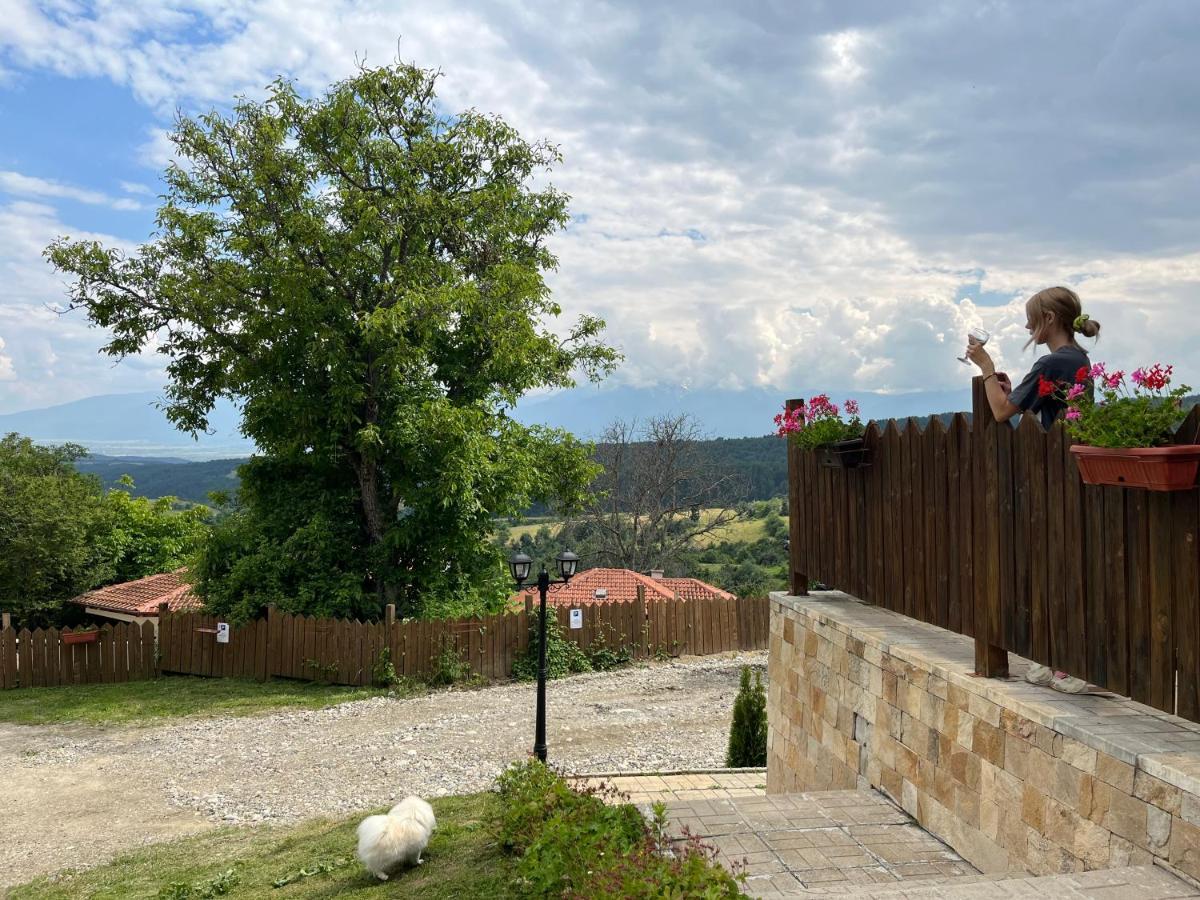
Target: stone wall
(1011,775)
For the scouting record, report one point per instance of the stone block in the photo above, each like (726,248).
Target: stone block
(1077,755)
(984,709)
(1154,791)
(1033,808)
(966,729)
(988,741)
(1016,756)
(1113,771)
(1184,848)
(908,797)
(1120,813)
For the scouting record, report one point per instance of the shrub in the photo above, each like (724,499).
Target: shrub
(820,422)
(748,736)
(450,668)
(562,656)
(573,844)
(1142,415)
(602,657)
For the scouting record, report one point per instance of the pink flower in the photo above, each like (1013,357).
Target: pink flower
(852,407)
(1073,413)
(1098,371)
(1113,381)
(1076,392)
(1139,377)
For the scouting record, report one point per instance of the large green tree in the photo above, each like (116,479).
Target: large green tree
(61,534)
(363,273)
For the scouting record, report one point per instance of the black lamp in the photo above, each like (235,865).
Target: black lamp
(520,565)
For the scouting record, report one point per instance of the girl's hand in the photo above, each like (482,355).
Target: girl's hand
(977,353)
(1005,383)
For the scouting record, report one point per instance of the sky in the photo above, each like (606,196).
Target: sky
(791,195)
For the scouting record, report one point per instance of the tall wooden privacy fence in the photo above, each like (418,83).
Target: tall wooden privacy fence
(45,658)
(344,652)
(988,531)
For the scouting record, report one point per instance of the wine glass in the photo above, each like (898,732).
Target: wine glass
(975,336)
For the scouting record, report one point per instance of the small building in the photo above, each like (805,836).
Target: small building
(621,585)
(138,601)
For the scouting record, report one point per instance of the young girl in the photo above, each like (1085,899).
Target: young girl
(1053,317)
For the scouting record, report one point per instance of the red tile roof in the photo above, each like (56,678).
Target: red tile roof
(142,597)
(621,585)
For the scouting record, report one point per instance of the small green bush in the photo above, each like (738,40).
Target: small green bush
(449,668)
(563,657)
(572,843)
(748,736)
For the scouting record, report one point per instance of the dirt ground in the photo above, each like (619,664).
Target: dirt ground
(76,796)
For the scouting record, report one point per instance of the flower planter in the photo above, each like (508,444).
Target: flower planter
(1154,468)
(843,454)
(80,637)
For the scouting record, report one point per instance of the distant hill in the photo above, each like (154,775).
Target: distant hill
(156,477)
(129,425)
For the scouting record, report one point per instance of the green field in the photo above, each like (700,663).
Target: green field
(738,531)
(168,697)
(462,862)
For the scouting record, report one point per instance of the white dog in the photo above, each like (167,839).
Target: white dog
(385,843)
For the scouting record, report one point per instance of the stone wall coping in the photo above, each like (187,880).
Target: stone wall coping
(1162,745)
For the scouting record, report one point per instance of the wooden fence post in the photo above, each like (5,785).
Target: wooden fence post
(389,614)
(5,621)
(641,639)
(797,577)
(991,659)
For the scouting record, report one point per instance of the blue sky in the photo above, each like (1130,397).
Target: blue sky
(798,196)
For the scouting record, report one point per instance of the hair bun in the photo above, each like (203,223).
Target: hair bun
(1084,325)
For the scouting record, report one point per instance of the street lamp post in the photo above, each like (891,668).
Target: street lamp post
(520,565)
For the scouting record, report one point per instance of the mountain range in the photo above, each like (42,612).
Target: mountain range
(133,425)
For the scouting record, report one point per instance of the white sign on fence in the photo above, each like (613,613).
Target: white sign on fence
(222,632)
(577,618)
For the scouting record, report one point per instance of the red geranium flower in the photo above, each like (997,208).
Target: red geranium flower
(1046,387)
(1082,374)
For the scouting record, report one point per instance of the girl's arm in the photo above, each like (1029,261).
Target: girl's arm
(1002,408)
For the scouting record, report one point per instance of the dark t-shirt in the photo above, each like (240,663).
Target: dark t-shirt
(1061,367)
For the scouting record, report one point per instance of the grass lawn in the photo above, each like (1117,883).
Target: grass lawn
(171,696)
(461,863)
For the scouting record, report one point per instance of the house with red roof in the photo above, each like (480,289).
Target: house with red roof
(138,601)
(620,585)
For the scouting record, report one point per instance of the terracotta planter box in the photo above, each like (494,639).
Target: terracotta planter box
(1154,468)
(843,454)
(80,637)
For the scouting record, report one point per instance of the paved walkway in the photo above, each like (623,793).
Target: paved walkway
(672,787)
(853,844)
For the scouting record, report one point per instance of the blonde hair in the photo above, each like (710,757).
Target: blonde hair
(1064,308)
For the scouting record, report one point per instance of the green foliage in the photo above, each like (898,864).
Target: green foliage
(603,656)
(1138,413)
(563,657)
(748,736)
(321,867)
(217,886)
(571,843)
(364,274)
(61,534)
(450,668)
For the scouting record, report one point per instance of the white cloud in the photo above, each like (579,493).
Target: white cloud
(844,174)
(8,371)
(29,186)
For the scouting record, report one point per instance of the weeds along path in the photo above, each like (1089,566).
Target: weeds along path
(75,796)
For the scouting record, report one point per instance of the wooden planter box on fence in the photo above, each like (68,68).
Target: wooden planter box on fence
(80,637)
(844,454)
(1154,468)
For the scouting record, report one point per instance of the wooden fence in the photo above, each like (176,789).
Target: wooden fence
(988,531)
(345,652)
(40,658)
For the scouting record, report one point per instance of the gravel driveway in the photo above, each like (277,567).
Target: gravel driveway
(75,796)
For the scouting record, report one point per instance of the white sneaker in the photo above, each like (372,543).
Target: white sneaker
(1068,684)
(1039,675)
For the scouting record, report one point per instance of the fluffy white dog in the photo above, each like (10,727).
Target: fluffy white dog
(386,843)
